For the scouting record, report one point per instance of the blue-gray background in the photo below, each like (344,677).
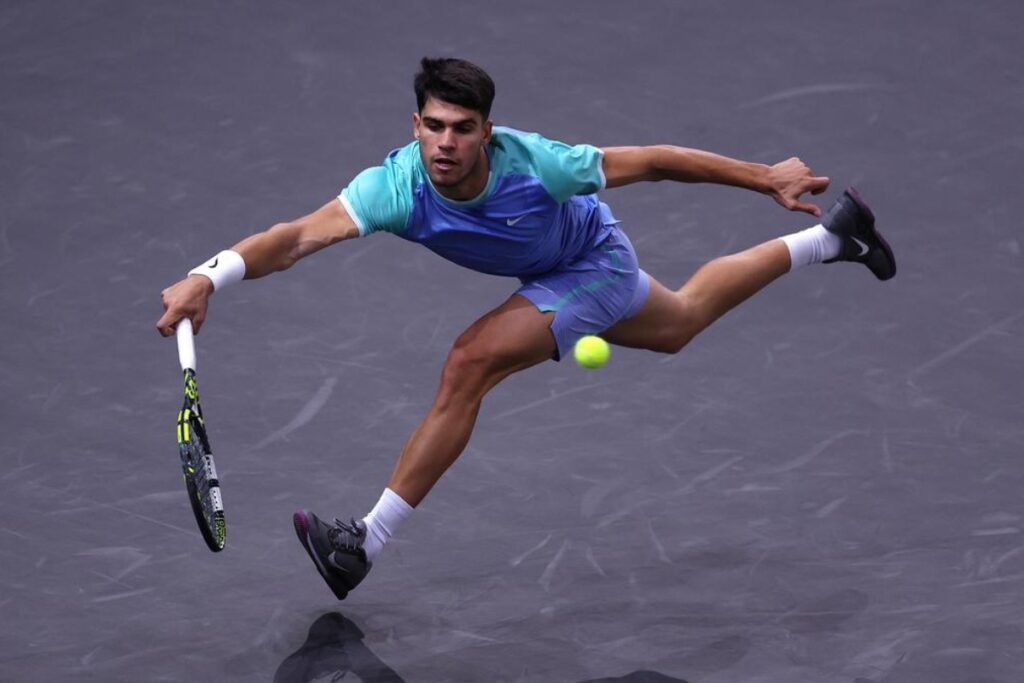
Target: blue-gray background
(823,487)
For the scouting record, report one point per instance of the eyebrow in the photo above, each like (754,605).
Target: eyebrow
(433,120)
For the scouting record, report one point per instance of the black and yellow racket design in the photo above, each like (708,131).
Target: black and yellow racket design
(194,447)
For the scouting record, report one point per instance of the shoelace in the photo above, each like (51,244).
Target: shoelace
(345,536)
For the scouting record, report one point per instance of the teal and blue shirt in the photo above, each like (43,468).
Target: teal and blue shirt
(538,211)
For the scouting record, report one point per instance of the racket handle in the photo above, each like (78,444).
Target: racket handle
(186,345)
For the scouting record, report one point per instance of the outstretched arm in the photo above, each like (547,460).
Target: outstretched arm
(285,243)
(785,181)
(266,252)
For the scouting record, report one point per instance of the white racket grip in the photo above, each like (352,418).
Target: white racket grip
(186,345)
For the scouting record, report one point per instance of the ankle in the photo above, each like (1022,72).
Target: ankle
(383,521)
(813,245)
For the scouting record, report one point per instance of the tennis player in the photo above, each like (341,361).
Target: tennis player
(510,203)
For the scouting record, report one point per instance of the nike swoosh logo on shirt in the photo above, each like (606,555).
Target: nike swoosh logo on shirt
(863,247)
(512,221)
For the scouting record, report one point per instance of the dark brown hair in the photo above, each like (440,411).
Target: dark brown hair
(455,81)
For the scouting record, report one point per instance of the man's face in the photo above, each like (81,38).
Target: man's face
(452,139)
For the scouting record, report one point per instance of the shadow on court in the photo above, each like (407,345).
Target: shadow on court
(334,648)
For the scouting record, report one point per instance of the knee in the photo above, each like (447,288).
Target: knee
(673,344)
(686,323)
(468,371)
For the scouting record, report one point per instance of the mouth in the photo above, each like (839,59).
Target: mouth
(444,164)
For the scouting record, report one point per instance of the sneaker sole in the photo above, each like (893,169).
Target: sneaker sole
(886,249)
(301,522)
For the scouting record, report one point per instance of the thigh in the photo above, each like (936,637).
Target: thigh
(512,337)
(659,324)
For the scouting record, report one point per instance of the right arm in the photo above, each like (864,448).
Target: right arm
(277,248)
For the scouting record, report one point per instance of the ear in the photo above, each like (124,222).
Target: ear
(416,124)
(488,130)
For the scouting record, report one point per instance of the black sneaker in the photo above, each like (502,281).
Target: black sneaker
(336,550)
(851,219)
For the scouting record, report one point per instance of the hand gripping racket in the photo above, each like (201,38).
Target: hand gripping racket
(194,448)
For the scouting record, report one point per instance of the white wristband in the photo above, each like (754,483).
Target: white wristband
(225,268)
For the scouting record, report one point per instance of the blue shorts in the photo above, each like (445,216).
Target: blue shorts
(592,293)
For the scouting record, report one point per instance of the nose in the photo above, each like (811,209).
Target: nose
(447,141)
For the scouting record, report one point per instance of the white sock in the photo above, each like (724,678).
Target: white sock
(812,245)
(383,521)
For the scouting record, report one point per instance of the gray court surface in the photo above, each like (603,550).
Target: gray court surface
(825,486)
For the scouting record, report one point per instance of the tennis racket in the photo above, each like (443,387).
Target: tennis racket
(194,448)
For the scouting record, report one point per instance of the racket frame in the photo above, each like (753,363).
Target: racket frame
(198,467)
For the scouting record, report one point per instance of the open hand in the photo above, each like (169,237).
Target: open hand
(788,180)
(186,298)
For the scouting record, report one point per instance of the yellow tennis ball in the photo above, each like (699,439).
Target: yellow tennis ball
(591,352)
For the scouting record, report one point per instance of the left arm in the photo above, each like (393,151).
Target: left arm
(785,181)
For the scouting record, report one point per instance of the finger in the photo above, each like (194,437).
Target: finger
(820,184)
(165,325)
(782,200)
(197,323)
(168,322)
(807,207)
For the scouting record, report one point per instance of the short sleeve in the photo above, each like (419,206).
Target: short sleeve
(566,170)
(379,199)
